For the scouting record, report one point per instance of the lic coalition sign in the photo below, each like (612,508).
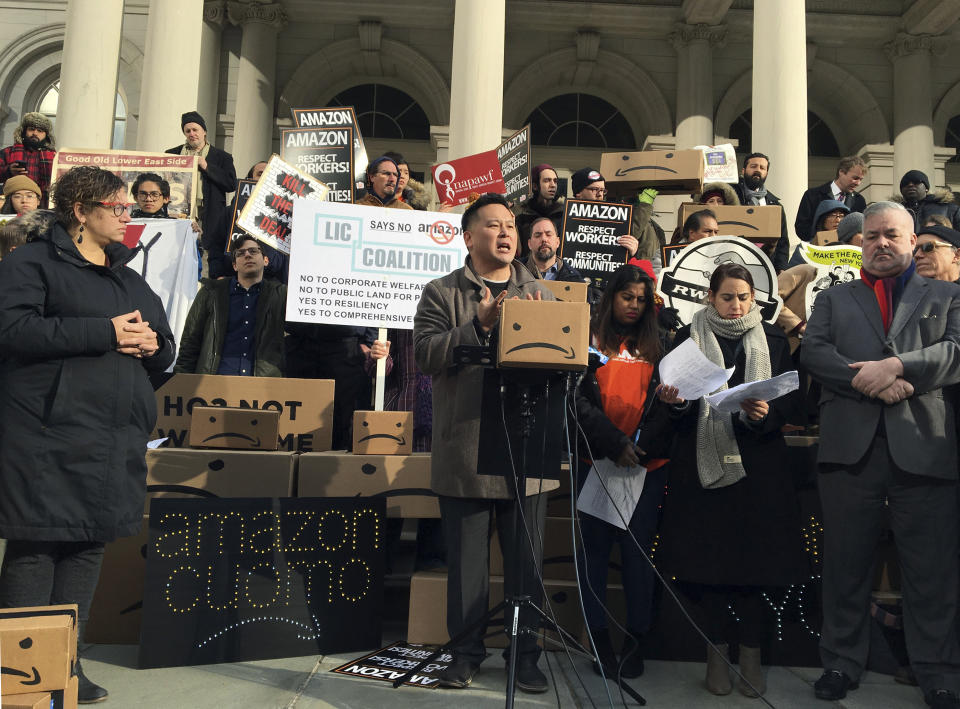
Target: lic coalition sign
(366,266)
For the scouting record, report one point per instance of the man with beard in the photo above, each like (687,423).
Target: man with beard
(850,173)
(383,176)
(542,259)
(544,202)
(885,348)
(31,154)
(217,177)
(751,191)
(923,204)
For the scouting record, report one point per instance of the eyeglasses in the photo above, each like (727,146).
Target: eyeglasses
(149,195)
(598,191)
(927,247)
(117,207)
(26,194)
(252,251)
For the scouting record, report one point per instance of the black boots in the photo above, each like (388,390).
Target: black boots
(88,692)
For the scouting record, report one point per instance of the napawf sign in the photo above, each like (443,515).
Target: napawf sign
(685,279)
(234,579)
(165,254)
(589,239)
(266,215)
(325,154)
(457,180)
(834,264)
(366,266)
(179,170)
(335,117)
(514,157)
(392,662)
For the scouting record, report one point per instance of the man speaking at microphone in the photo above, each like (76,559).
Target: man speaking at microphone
(463,308)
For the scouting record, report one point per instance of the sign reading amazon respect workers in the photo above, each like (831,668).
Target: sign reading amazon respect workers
(366,266)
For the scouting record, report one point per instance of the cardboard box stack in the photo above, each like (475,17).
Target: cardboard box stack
(39,651)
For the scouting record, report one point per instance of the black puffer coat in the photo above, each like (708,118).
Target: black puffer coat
(75,415)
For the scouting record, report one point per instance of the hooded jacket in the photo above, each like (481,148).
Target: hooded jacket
(939,201)
(415,194)
(75,414)
(730,197)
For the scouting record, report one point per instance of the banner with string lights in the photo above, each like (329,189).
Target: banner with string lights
(238,579)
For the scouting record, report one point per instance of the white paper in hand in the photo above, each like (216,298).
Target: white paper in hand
(624,486)
(686,368)
(728,401)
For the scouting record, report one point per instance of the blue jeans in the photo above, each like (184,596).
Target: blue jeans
(594,556)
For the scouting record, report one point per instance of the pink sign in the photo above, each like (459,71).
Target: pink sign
(475,174)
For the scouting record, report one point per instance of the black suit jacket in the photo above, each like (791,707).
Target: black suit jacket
(808,207)
(216,181)
(781,253)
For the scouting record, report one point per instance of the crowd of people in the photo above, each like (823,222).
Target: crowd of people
(80,335)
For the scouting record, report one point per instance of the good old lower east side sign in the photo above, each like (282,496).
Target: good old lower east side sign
(233,579)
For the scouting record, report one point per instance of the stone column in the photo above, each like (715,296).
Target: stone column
(879,183)
(208,91)
(912,105)
(694,45)
(170,80)
(88,74)
(476,88)
(253,115)
(780,97)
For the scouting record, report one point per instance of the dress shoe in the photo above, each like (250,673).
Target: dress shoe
(944,699)
(833,685)
(718,671)
(529,678)
(632,654)
(458,675)
(604,649)
(752,672)
(87,691)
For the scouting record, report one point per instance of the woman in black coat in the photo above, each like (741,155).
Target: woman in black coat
(731,524)
(79,331)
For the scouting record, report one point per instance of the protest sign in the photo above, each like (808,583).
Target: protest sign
(457,180)
(266,215)
(366,266)
(391,662)
(589,239)
(234,579)
(166,256)
(240,199)
(514,157)
(834,264)
(179,170)
(333,117)
(684,282)
(719,163)
(323,153)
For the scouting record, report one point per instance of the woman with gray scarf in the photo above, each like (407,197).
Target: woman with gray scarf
(731,526)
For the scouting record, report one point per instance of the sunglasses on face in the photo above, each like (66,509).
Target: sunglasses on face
(928,247)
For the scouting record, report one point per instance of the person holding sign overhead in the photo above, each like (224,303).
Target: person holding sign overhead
(463,308)
(731,516)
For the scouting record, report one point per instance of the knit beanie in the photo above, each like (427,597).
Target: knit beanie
(850,226)
(584,178)
(950,236)
(916,177)
(192,117)
(535,175)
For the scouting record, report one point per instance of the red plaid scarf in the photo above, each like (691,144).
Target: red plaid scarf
(888,292)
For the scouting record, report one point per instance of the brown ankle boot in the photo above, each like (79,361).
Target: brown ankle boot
(718,672)
(752,672)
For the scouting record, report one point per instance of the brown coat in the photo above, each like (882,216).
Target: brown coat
(443,321)
(371,200)
(792,285)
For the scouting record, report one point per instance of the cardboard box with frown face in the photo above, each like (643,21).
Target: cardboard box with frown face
(383,432)
(826,237)
(667,171)
(403,480)
(544,334)
(567,291)
(305,406)
(223,427)
(39,648)
(754,223)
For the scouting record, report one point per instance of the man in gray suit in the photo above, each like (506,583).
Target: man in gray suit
(884,348)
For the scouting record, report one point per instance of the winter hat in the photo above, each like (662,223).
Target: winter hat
(584,178)
(916,177)
(849,226)
(36,120)
(192,117)
(20,182)
(951,236)
(645,266)
(375,163)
